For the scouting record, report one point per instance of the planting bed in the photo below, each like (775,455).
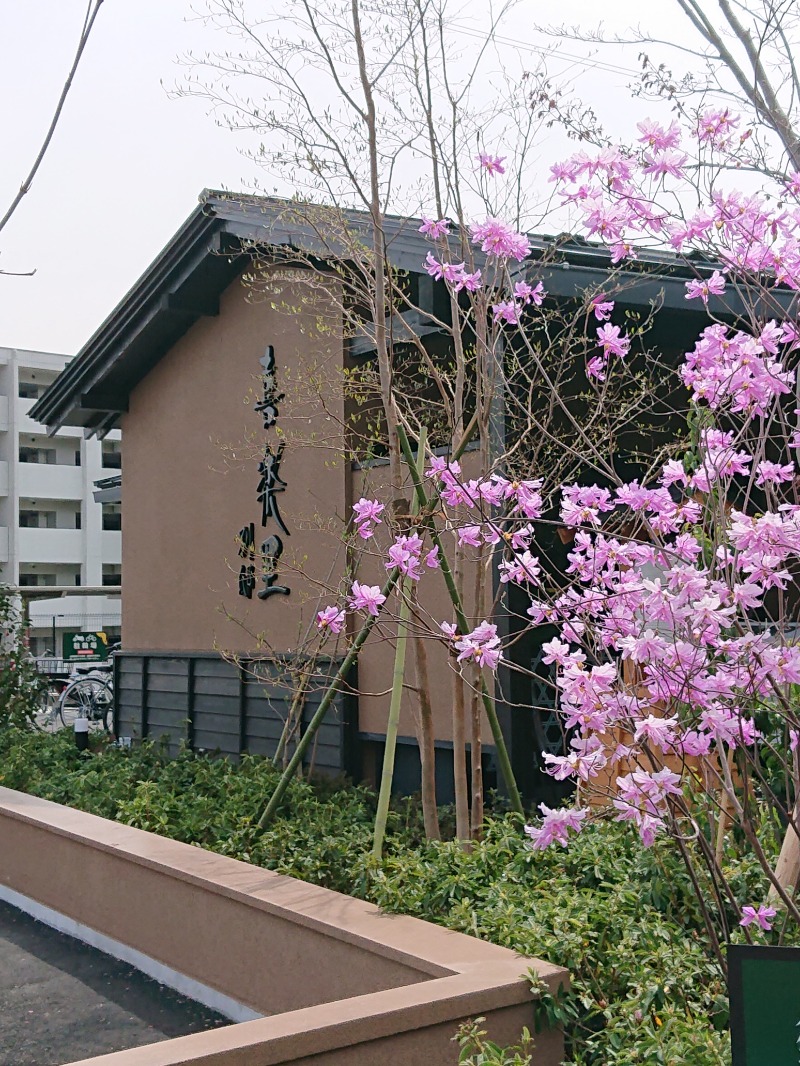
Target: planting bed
(343,983)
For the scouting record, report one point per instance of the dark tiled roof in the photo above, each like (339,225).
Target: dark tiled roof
(185,281)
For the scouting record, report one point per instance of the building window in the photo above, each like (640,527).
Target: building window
(77,519)
(37,580)
(45,456)
(112,516)
(112,575)
(77,457)
(112,455)
(29,519)
(29,390)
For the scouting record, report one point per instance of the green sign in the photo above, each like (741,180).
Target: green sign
(764,986)
(85,646)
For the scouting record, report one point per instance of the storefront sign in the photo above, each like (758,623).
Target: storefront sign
(85,646)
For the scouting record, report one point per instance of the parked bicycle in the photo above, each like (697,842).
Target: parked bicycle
(86,692)
(88,695)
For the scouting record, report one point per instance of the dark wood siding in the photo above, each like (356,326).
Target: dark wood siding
(212,704)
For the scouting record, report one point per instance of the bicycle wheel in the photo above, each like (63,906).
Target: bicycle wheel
(47,715)
(88,697)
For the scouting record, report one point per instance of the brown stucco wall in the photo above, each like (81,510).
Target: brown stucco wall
(192,446)
(377,658)
(344,983)
(190,483)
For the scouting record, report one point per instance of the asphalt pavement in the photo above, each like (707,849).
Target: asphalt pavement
(61,1000)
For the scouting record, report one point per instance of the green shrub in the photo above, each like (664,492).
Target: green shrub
(21,686)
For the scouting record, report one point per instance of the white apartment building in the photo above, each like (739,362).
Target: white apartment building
(52,532)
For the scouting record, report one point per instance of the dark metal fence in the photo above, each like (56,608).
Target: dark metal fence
(212,704)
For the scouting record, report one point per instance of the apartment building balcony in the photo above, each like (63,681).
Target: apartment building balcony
(43,481)
(111,546)
(50,546)
(25,424)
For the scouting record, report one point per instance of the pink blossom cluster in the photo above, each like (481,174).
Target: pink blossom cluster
(555,826)
(700,666)
(482,645)
(520,497)
(455,274)
(492,164)
(367,515)
(500,240)
(733,368)
(615,191)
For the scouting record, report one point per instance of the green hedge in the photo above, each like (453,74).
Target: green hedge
(621,918)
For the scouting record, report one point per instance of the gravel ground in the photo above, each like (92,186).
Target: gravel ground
(61,1000)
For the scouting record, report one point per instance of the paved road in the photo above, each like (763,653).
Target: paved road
(61,1000)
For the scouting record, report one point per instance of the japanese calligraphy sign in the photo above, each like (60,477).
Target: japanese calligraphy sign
(261,566)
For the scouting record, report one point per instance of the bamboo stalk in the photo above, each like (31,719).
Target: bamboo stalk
(398,675)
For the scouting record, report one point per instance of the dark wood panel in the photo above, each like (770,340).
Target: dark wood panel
(167,683)
(264,727)
(208,703)
(213,667)
(200,699)
(217,686)
(168,666)
(171,716)
(211,741)
(222,723)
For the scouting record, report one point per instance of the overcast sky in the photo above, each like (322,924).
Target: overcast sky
(128,162)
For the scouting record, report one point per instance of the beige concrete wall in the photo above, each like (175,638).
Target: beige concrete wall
(192,446)
(345,983)
(377,658)
(192,443)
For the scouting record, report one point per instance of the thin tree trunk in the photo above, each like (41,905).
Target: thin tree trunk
(427,749)
(387,774)
(476,748)
(459,725)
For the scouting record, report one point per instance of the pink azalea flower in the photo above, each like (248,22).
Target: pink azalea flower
(481,646)
(655,136)
(612,342)
(506,311)
(602,307)
(470,282)
(528,294)
(596,368)
(713,286)
(450,629)
(433,229)
(331,618)
(715,126)
(556,824)
(773,473)
(492,164)
(366,598)
(433,267)
(367,516)
(432,559)
(472,535)
(497,239)
(667,162)
(763,915)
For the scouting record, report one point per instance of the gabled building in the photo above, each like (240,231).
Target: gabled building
(235,494)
